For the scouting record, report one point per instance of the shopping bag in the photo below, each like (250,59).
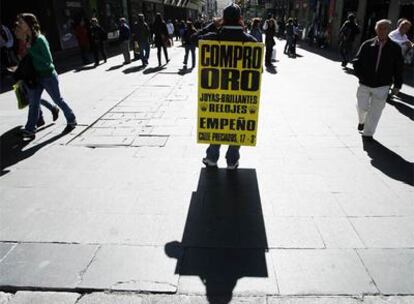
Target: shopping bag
(21,94)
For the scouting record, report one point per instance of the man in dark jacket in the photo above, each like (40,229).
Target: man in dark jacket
(347,35)
(231,30)
(141,36)
(124,37)
(378,65)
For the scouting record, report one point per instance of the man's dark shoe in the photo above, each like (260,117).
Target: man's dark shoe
(70,126)
(40,122)
(55,113)
(28,135)
(360,127)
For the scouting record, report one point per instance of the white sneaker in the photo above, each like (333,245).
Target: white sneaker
(209,163)
(233,166)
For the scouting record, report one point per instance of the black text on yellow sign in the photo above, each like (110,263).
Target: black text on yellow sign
(229,79)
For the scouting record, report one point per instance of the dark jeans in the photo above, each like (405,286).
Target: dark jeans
(189,48)
(232,155)
(99,49)
(144,49)
(268,55)
(346,50)
(51,85)
(159,53)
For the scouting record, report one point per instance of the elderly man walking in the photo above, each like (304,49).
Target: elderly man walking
(377,65)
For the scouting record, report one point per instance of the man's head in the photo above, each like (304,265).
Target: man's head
(122,20)
(351,17)
(404,26)
(382,28)
(141,17)
(232,14)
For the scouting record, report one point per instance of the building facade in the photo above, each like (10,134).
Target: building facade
(57,17)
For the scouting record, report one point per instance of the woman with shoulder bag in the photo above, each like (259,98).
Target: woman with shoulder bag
(161,37)
(38,51)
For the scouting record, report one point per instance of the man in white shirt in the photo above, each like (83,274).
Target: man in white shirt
(399,36)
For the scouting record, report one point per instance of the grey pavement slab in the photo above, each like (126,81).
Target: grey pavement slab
(337,232)
(103,298)
(141,268)
(313,300)
(389,300)
(322,272)
(45,265)
(190,299)
(5,249)
(30,297)
(391,269)
(5,297)
(293,232)
(385,232)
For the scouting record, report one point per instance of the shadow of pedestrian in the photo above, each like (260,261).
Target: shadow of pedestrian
(134,69)
(400,106)
(154,70)
(389,162)
(115,67)
(224,236)
(85,68)
(12,148)
(406,98)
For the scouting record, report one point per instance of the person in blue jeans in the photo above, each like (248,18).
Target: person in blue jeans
(189,43)
(232,29)
(46,77)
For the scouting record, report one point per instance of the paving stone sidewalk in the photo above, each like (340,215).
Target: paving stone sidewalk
(123,204)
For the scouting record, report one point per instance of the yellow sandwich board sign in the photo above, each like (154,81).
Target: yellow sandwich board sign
(229,79)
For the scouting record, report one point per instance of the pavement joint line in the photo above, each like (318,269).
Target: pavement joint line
(83,271)
(91,125)
(366,269)
(8,252)
(319,231)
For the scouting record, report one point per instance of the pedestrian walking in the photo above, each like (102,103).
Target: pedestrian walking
(231,30)
(141,36)
(269,28)
(171,30)
(161,37)
(7,55)
(46,77)
(82,35)
(97,39)
(189,43)
(290,36)
(377,65)
(347,35)
(124,39)
(177,30)
(26,73)
(399,36)
(255,31)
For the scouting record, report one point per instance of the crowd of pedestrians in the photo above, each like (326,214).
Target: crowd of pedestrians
(378,64)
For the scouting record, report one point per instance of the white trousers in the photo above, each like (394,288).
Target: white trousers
(371,102)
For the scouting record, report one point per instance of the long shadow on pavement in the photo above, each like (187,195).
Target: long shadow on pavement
(12,145)
(224,237)
(389,162)
(398,102)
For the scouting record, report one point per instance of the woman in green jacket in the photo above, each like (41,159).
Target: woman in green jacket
(47,79)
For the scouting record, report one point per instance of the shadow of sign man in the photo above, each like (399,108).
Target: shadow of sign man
(224,237)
